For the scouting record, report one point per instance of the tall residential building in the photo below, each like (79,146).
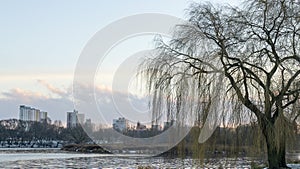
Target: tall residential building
(89,125)
(43,115)
(31,114)
(74,119)
(80,118)
(120,124)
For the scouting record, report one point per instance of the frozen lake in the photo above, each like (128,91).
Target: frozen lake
(54,158)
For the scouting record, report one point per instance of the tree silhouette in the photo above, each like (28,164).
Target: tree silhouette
(246,59)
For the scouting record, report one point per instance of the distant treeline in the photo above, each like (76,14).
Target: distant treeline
(13,130)
(245,140)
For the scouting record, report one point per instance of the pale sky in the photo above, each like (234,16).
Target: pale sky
(42,40)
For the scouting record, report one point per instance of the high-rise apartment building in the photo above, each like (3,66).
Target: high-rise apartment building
(74,119)
(120,124)
(27,113)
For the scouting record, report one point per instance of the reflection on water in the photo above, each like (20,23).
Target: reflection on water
(59,159)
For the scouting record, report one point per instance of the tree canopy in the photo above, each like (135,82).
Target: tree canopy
(245,58)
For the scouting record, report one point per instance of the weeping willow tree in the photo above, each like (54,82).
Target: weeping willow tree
(242,63)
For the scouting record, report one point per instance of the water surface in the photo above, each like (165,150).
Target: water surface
(55,158)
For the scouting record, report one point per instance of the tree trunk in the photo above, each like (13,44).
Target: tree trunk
(281,152)
(275,147)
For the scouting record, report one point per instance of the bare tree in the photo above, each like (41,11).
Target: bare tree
(246,58)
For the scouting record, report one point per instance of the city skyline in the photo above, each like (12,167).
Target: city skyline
(33,114)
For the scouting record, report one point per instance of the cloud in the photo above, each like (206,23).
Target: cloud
(53,89)
(100,104)
(24,95)
(103,104)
